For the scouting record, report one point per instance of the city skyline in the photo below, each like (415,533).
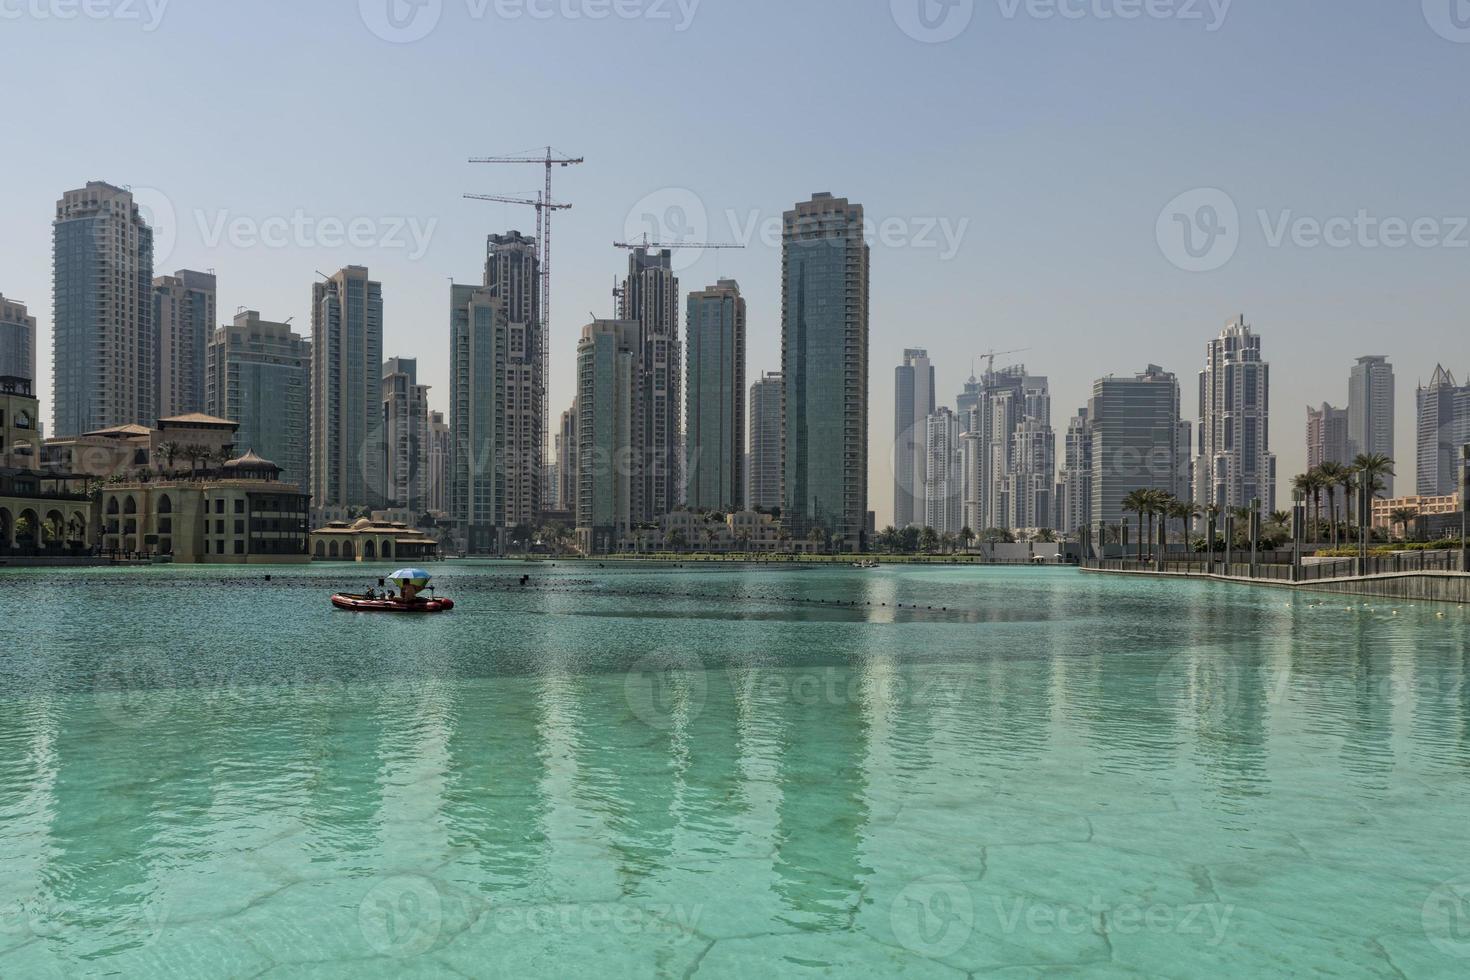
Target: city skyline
(1000,283)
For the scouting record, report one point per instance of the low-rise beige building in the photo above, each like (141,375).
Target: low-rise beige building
(243,515)
(372,540)
(1383,508)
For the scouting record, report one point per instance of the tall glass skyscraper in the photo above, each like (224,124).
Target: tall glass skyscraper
(1370,416)
(824,366)
(765,442)
(1139,442)
(477,358)
(258,374)
(714,386)
(102,334)
(608,393)
(913,396)
(346,391)
(1443,428)
(184,322)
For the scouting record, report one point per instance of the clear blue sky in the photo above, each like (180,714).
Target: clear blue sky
(1059,141)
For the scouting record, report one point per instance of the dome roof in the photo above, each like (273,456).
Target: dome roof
(362,524)
(252,463)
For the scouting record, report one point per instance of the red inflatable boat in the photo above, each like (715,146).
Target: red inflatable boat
(357,603)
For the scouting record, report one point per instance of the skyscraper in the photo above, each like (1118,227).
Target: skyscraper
(406,438)
(1074,506)
(1371,394)
(650,297)
(1031,460)
(513,275)
(1327,436)
(347,391)
(824,367)
(477,407)
(1235,464)
(714,383)
(1139,441)
(943,506)
(17,340)
(102,335)
(440,454)
(258,374)
(566,460)
(913,396)
(183,321)
(967,402)
(1444,427)
(608,395)
(1009,453)
(765,442)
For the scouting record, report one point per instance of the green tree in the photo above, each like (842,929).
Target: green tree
(967,538)
(1403,517)
(1137,503)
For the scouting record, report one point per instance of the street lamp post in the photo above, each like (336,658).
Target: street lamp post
(1298,533)
(1464,507)
(1255,528)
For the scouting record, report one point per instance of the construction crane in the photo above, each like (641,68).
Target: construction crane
(660,246)
(991,357)
(545,206)
(543,257)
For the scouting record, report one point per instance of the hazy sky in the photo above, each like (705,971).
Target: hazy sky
(1020,163)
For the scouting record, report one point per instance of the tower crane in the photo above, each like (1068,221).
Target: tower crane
(544,211)
(660,246)
(992,355)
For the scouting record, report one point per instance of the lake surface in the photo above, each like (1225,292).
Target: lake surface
(724,772)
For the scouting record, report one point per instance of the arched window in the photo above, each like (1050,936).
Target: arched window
(130,506)
(348,551)
(165,504)
(112,505)
(368,551)
(387,549)
(321,549)
(333,550)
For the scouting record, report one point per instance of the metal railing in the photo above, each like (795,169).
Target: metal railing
(1326,569)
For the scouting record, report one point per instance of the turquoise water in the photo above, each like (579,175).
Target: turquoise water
(725,773)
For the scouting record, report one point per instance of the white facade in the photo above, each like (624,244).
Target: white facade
(913,406)
(1235,465)
(943,473)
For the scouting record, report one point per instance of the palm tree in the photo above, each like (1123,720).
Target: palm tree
(1158,508)
(168,451)
(1403,517)
(947,541)
(1304,487)
(1332,476)
(1372,467)
(1046,536)
(1185,512)
(1137,503)
(928,540)
(816,536)
(967,537)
